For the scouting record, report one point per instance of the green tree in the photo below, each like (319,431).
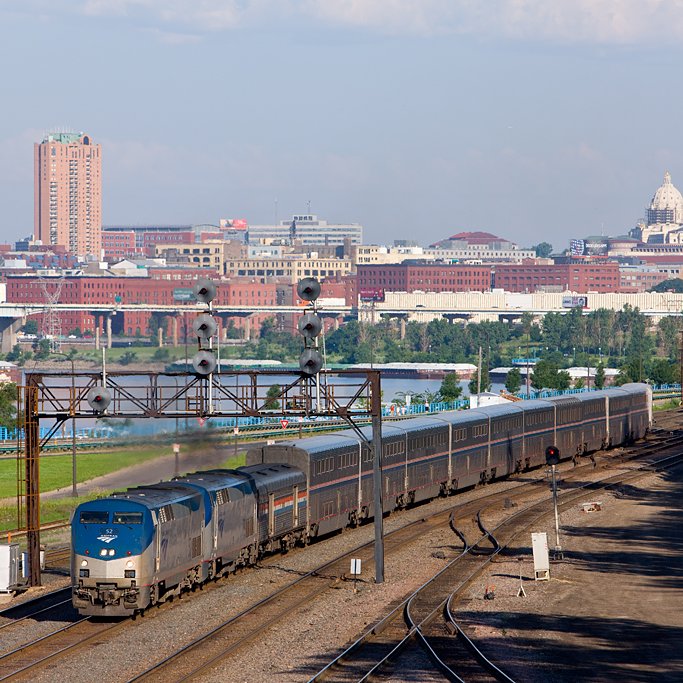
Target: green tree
(544,375)
(31,327)
(543,249)
(662,371)
(128,357)
(161,354)
(273,394)
(513,381)
(485,381)
(450,389)
(8,405)
(599,380)
(675,284)
(15,355)
(562,380)
(42,349)
(579,383)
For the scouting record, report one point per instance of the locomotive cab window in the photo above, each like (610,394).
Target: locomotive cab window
(128,518)
(94,517)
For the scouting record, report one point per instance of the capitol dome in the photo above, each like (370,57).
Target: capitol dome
(667,204)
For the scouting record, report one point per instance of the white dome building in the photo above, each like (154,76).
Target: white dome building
(664,216)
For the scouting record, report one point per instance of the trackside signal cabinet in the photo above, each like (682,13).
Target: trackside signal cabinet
(9,567)
(539,544)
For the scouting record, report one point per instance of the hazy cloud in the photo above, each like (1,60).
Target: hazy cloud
(568,21)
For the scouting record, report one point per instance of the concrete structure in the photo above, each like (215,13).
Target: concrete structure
(68,193)
(309,229)
(500,305)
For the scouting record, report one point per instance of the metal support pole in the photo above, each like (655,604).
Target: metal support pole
(376,410)
(32,433)
(558,545)
(74,488)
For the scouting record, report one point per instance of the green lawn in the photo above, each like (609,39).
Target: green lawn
(55,470)
(50,511)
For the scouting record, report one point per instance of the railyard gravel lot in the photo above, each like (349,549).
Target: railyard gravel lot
(611,609)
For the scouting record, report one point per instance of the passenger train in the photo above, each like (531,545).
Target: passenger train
(140,547)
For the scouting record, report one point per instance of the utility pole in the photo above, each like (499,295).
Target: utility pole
(479,377)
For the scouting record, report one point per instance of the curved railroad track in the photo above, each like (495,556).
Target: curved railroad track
(427,617)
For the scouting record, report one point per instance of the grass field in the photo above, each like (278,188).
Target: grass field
(55,470)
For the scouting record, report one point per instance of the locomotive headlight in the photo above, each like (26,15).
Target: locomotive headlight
(111,552)
(103,552)
(130,564)
(84,563)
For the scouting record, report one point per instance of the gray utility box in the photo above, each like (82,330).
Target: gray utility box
(9,567)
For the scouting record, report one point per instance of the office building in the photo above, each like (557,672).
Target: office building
(306,229)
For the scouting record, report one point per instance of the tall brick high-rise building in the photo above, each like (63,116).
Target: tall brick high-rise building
(68,192)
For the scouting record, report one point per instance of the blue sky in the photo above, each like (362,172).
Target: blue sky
(417,118)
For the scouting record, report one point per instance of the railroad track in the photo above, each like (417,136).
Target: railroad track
(212,648)
(22,662)
(35,607)
(427,617)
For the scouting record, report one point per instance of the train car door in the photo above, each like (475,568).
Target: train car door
(295,509)
(360,477)
(271,514)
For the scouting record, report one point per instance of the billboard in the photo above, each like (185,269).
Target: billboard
(577,247)
(233,224)
(183,294)
(371,294)
(574,302)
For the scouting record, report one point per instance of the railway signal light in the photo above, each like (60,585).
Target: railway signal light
(99,399)
(204,326)
(552,455)
(310,325)
(308,289)
(204,362)
(310,362)
(204,291)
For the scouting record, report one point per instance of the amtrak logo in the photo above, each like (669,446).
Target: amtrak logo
(108,536)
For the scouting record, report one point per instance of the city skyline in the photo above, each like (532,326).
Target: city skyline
(411,118)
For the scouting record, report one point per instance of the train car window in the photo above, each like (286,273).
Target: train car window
(94,517)
(128,518)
